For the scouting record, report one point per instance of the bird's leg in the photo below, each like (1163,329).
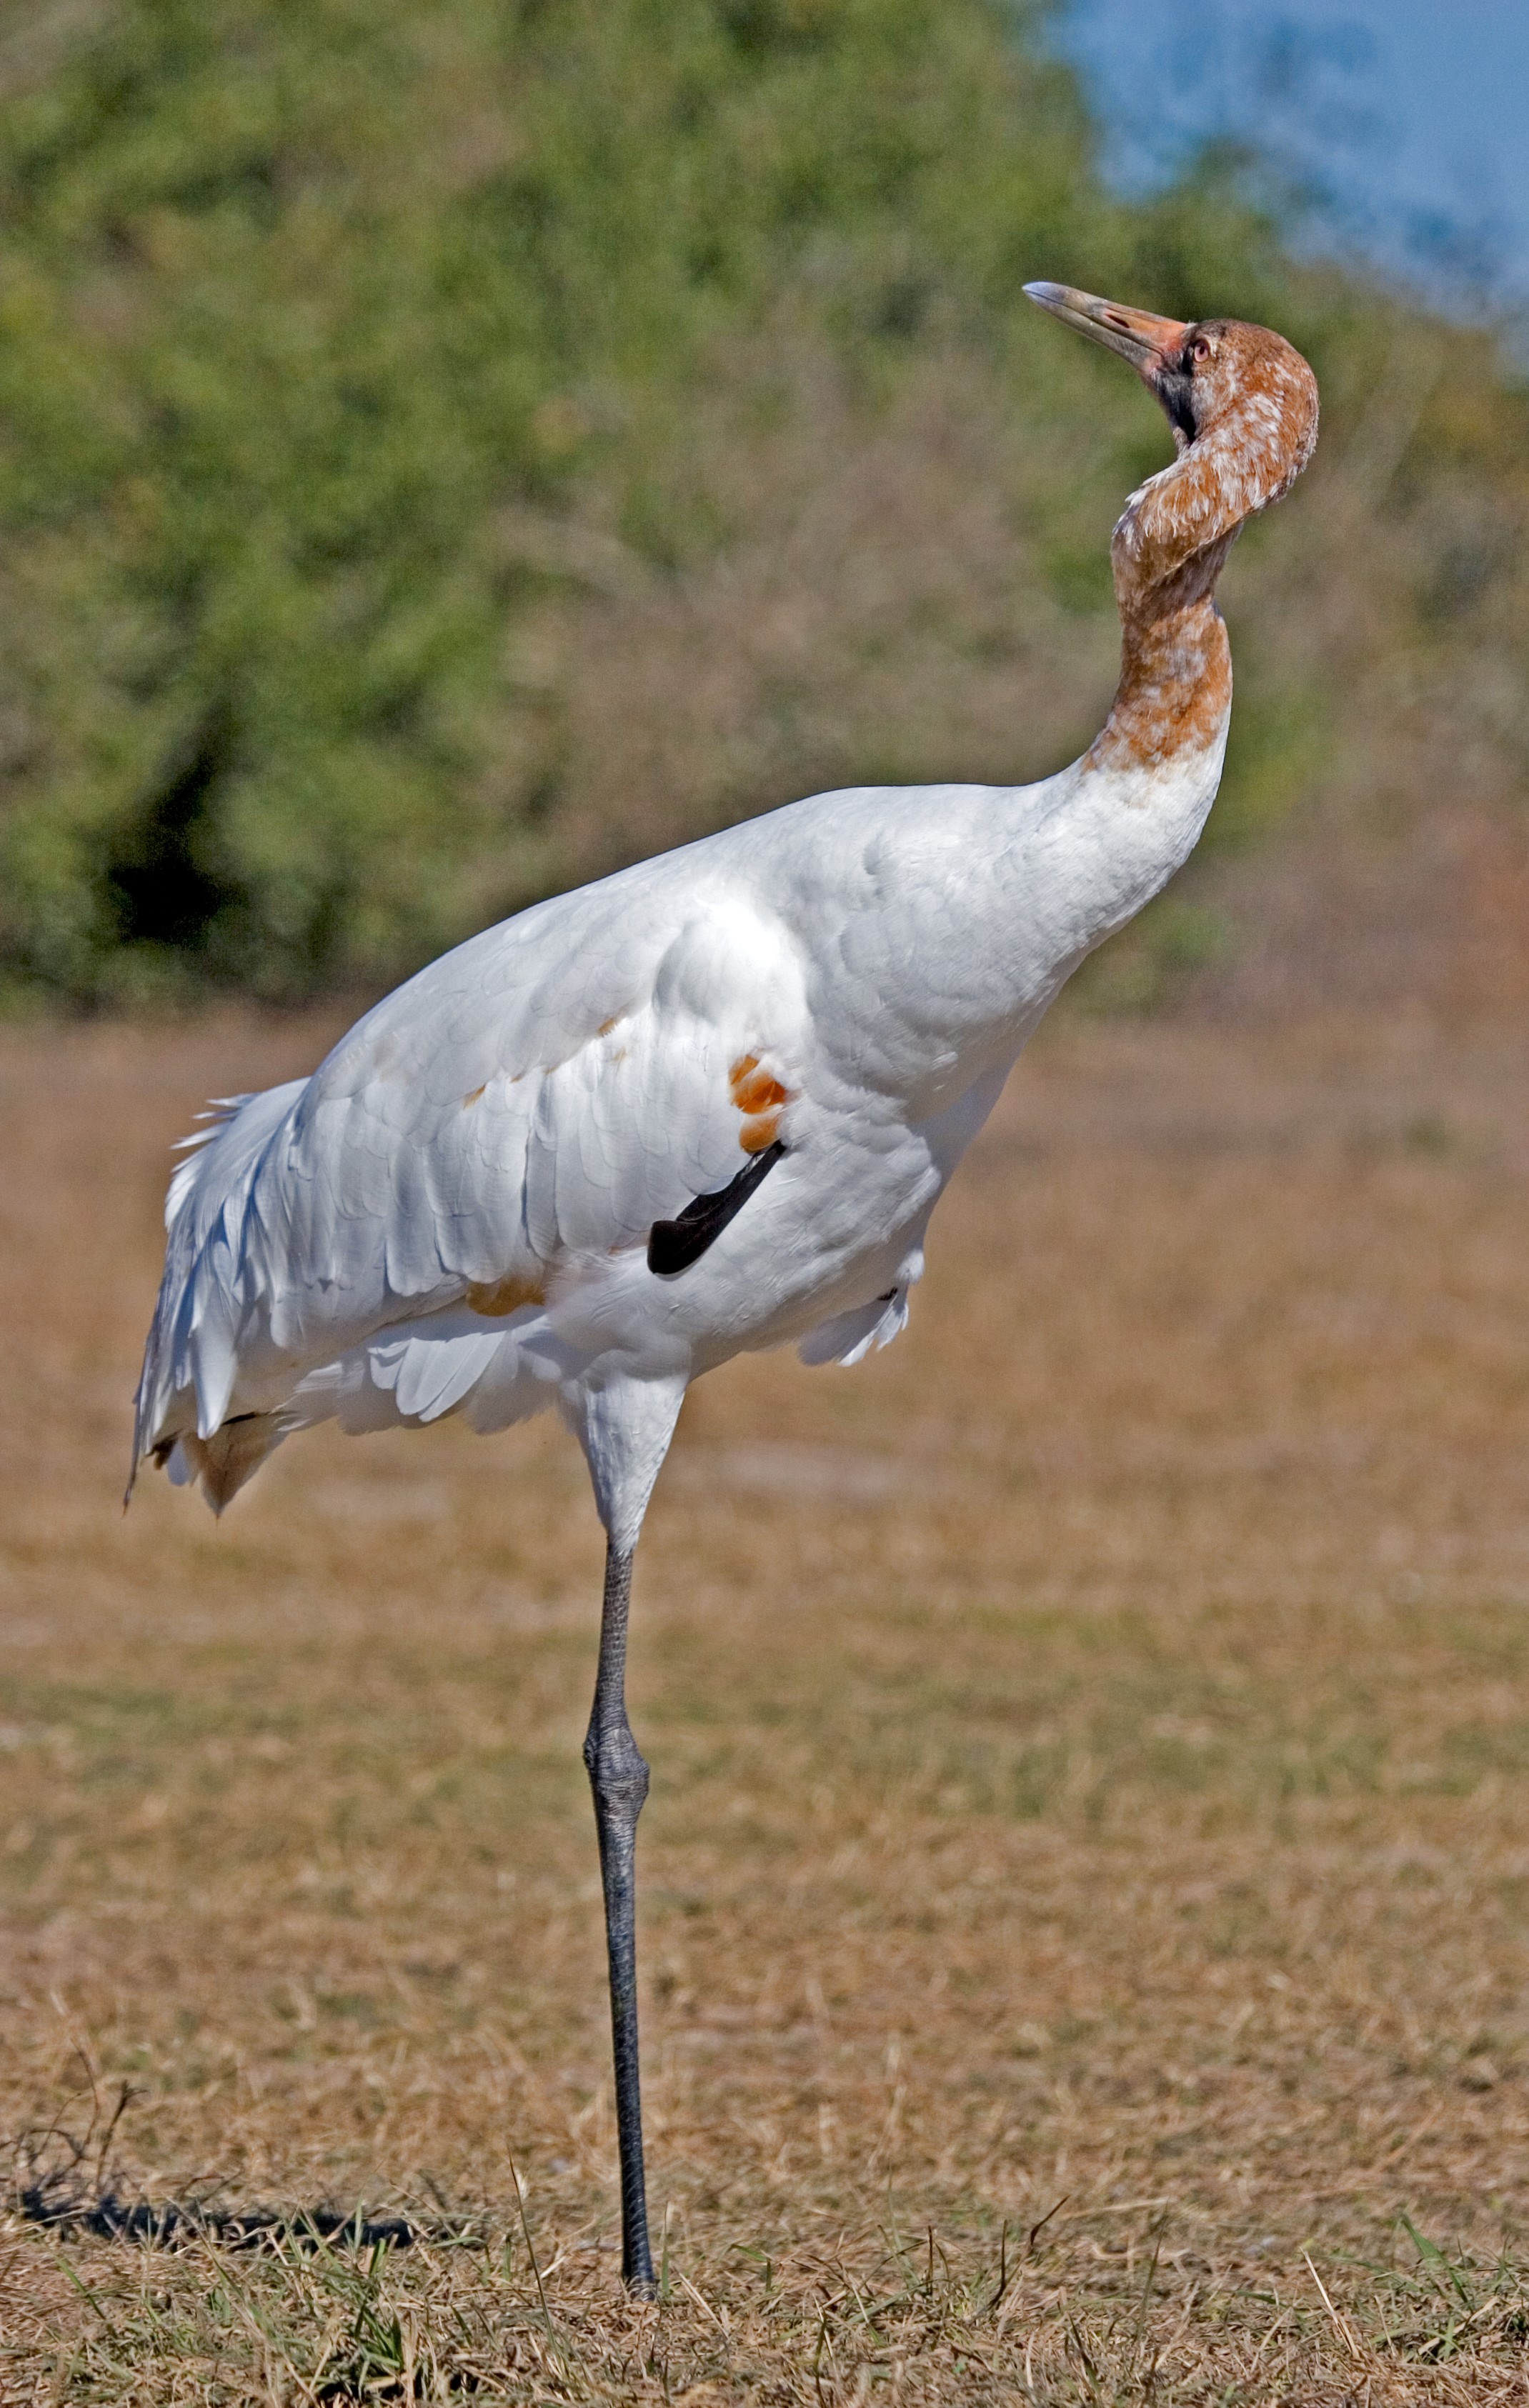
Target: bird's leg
(619,1779)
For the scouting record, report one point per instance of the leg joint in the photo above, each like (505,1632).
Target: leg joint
(618,1773)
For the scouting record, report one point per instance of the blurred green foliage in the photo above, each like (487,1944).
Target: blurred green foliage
(389,390)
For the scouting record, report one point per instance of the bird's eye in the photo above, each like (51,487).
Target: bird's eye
(1200,349)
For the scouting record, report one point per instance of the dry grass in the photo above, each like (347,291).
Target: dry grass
(1086,1877)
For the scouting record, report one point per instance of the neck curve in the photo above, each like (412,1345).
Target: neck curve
(1167,553)
(1169,548)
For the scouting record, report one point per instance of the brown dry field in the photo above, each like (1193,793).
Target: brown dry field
(1089,1755)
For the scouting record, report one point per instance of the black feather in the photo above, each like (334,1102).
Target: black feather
(674,1245)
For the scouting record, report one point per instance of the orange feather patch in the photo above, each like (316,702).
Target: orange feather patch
(758,1098)
(495,1297)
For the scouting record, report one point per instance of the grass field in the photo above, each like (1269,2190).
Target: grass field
(1086,1878)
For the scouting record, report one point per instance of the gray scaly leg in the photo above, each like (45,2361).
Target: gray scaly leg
(619,1779)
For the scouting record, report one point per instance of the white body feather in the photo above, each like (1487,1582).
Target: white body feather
(519,1114)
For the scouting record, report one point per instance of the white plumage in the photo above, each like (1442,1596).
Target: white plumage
(709,1104)
(517,1117)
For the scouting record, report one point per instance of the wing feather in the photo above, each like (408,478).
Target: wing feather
(529,1105)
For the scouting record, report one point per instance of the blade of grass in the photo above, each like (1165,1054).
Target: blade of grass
(1340,2323)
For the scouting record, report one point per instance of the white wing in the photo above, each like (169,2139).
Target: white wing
(530,1104)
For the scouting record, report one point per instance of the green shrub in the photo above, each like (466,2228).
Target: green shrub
(402,400)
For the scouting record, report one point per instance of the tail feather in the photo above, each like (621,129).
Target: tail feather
(190,1361)
(223,1462)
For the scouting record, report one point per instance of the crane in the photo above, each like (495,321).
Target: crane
(706,1105)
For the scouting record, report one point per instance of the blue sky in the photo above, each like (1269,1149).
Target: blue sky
(1415,113)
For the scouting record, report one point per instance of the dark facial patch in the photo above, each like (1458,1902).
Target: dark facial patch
(1175,388)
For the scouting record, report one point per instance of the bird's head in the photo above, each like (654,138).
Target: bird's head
(1221,382)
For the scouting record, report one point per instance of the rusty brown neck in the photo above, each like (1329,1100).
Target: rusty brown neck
(1176,664)
(1175,690)
(1254,414)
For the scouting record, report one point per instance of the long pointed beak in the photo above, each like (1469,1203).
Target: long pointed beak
(1147,342)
